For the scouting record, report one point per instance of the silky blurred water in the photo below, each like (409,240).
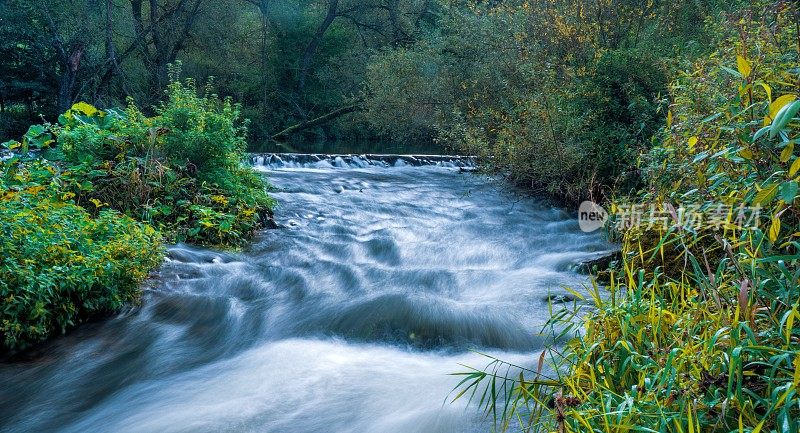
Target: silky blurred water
(347,318)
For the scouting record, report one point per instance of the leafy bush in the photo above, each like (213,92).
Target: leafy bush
(61,266)
(619,99)
(203,132)
(80,199)
(181,171)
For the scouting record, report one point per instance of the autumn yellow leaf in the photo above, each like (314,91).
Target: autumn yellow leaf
(787,152)
(779,103)
(767,89)
(34,189)
(744,66)
(795,166)
(797,371)
(766,195)
(84,108)
(774,229)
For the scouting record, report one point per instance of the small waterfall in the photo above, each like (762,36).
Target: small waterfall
(300,160)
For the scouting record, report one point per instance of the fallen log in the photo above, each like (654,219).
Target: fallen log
(286,133)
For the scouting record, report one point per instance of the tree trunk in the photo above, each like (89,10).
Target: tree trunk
(263,7)
(67,82)
(166,40)
(313,46)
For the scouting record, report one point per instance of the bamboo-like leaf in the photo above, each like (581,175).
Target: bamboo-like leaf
(760,133)
(733,72)
(767,89)
(796,379)
(783,117)
(759,426)
(575,293)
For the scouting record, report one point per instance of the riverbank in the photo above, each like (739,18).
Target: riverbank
(87,203)
(700,330)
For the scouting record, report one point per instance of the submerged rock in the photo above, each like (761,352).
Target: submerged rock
(600,264)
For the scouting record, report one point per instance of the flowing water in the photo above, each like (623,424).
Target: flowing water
(383,273)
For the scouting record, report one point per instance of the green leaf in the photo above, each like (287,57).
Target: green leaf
(789,191)
(733,72)
(760,133)
(11,144)
(783,117)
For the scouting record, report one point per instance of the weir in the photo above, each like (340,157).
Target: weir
(300,160)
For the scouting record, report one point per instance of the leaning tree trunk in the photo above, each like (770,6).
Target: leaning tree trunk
(286,133)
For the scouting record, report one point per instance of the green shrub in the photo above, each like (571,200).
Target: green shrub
(60,265)
(183,171)
(535,92)
(619,101)
(77,217)
(202,131)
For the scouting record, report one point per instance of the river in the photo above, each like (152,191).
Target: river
(349,317)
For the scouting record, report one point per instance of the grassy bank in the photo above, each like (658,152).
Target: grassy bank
(699,329)
(88,202)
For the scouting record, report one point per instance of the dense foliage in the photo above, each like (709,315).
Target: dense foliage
(87,203)
(700,330)
(62,265)
(181,171)
(682,104)
(559,95)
